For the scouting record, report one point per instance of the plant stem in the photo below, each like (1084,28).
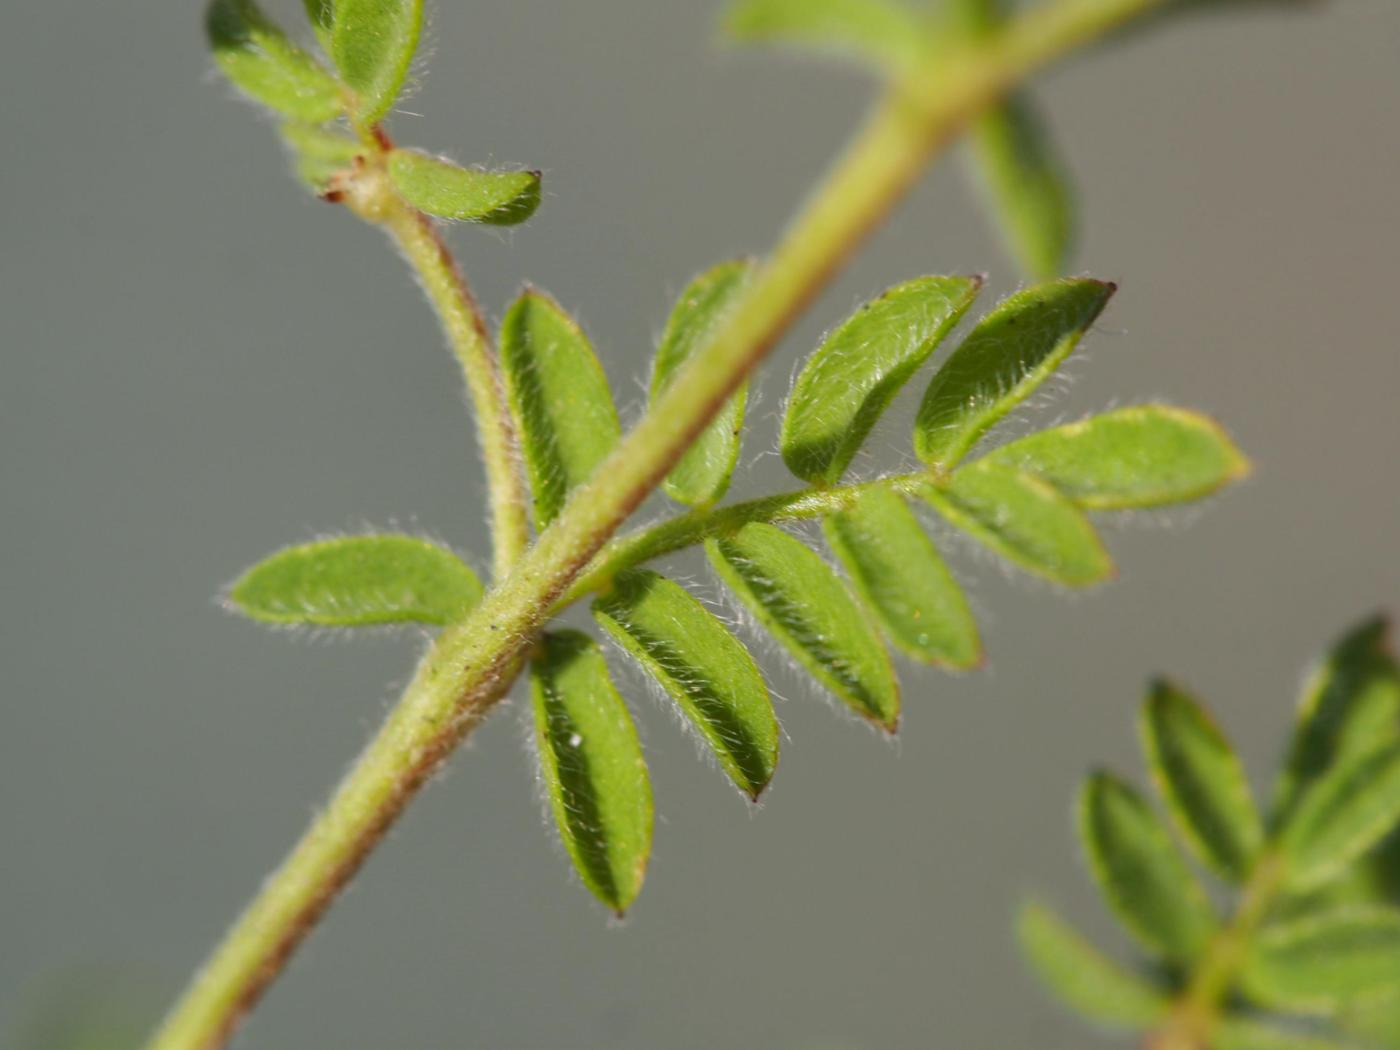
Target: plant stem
(447,289)
(472,665)
(696,526)
(1192,1021)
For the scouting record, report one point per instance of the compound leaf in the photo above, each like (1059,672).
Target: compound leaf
(1202,780)
(1342,815)
(904,581)
(1349,708)
(373,42)
(1083,978)
(1145,456)
(1315,963)
(318,154)
(1143,878)
(851,378)
(354,581)
(702,475)
(1006,357)
(441,188)
(560,398)
(803,603)
(880,33)
(1025,520)
(266,66)
(592,766)
(702,666)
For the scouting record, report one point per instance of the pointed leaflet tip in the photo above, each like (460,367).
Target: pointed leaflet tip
(1202,781)
(1350,707)
(797,598)
(443,189)
(702,667)
(1010,352)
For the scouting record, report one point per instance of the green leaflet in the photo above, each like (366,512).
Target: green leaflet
(1083,978)
(1235,1033)
(801,602)
(1144,879)
(355,581)
(904,581)
(1006,357)
(1024,520)
(373,42)
(704,669)
(1026,184)
(267,67)
(1350,707)
(321,14)
(560,399)
(1146,456)
(1374,1018)
(319,153)
(438,187)
(1346,812)
(1202,780)
(881,33)
(851,378)
(1316,963)
(592,765)
(702,475)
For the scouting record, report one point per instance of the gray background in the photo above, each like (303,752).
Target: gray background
(202,364)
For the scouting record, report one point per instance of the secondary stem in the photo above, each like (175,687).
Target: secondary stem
(1193,1019)
(472,665)
(696,526)
(461,318)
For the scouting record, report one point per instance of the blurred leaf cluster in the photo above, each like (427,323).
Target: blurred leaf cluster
(1307,953)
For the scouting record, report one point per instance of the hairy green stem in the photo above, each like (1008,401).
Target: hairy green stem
(472,665)
(1192,1021)
(461,318)
(370,194)
(696,526)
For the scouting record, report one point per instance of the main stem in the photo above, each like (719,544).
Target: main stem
(471,665)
